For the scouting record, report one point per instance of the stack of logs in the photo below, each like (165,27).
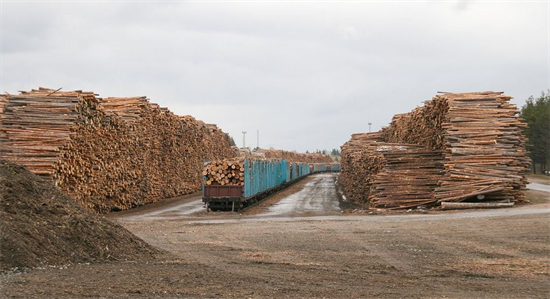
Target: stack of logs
(407,178)
(108,154)
(294,156)
(359,163)
(224,172)
(465,146)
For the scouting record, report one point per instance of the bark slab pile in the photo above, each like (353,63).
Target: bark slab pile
(457,147)
(107,154)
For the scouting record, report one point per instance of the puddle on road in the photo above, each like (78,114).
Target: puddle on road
(318,197)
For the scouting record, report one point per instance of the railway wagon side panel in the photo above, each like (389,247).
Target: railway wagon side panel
(305,169)
(260,176)
(319,167)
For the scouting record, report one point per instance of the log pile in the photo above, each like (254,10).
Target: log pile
(359,164)
(477,136)
(294,156)
(224,172)
(408,177)
(3,102)
(108,154)
(485,149)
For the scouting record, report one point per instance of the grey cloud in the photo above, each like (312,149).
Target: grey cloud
(306,74)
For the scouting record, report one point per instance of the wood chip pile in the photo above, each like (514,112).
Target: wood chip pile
(108,154)
(465,147)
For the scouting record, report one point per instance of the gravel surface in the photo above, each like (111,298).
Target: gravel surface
(501,253)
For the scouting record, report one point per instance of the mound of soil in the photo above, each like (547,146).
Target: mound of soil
(41,226)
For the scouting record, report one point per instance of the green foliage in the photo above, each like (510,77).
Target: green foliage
(232,141)
(536,113)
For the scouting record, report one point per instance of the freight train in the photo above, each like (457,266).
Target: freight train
(261,178)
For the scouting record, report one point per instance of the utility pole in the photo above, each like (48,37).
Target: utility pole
(258,139)
(369,126)
(244,138)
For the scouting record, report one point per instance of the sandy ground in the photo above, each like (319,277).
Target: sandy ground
(285,250)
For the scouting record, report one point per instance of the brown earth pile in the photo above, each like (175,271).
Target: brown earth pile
(41,226)
(108,154)
(478,135)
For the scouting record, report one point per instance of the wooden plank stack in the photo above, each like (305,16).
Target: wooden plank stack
(485,150)
(108,154)
(35,125)
(466,146)
(408,177)
(224,172)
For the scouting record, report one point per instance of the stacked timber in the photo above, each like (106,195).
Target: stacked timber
(408,177)
(108,154)
(485,153)
(224,172)
(359,163)
(476,137)
(36,125)
(3,102)
(294,156)
(481,137)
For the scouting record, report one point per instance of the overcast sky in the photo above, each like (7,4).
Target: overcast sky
(306,74)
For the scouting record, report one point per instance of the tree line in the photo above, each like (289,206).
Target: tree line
(536,113)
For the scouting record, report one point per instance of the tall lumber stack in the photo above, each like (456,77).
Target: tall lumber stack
(35,125)
(107,154)
(477,136)
(485,150)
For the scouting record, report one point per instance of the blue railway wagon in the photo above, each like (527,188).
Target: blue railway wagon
(260,179)
(319,167)
(335,167)
(260,176)
(298,170)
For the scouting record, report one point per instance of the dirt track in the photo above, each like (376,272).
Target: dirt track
(480,254)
